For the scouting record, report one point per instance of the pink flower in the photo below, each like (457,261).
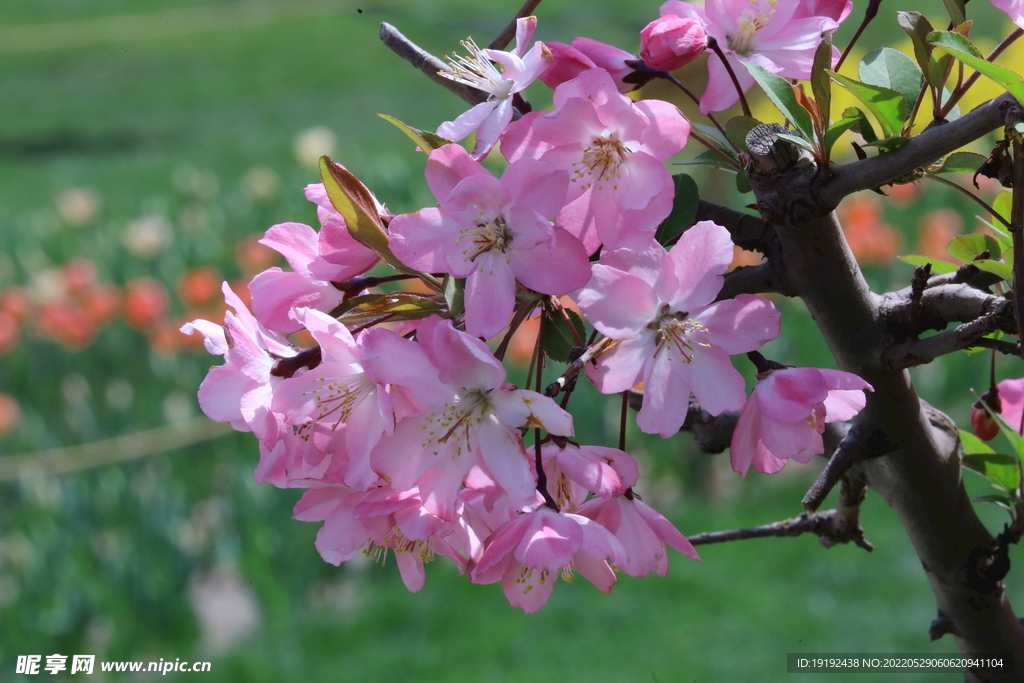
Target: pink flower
(492,232)
(374,521)
(1011,395)
(573,471)
(670,42)
(673,335)
(527,554)
(569,61)
(774,34)
(613,149)
(643,533)
(1014,8)
(473,419)
(346,404)
(787,413)
(836,10)
(240,391)
(519,69)
(317,261)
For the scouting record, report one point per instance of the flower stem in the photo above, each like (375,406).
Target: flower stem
(713,44)
(870,13)
(975,198)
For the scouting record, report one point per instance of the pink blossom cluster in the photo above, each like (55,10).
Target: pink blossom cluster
(397,417)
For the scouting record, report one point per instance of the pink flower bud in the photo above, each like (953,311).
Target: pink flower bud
(669,42)
(569,61)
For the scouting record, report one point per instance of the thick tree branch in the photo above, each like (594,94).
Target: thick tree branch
(760,279)
(747,231)
(919,477)
(921,151)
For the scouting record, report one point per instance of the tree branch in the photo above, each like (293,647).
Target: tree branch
(747,231)
(920,476)
(921,151)
(509,32)
(430,65)
(831,527)
(760,279)
(860,443)
(938,306)
(713,433)
(968,335)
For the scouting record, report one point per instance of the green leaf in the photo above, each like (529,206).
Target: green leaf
(973,445)
(888,144)
(714,135)
(707,158)
(961,162)
(454,290)
(559,340)
(821,84)
(887,106)
(962,49)
(743,183)
(796,140)
(355,204)
(1001,499)
(1000,469)
(918,28)
(371,308)
(938,267)
(780,92)
(956,10)
(424,139)
(1009,432)
(1003,270)
(967,247)
(1003,203)
(737,129)
(853,119)
(684,209)
(892,69)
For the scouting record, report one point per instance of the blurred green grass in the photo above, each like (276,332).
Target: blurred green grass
(169,122)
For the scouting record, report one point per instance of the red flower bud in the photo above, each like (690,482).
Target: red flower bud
(985,426)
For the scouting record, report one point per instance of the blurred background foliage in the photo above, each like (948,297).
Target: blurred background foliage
(144,147)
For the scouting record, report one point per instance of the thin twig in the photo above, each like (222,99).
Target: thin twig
(713,44)
(713,148)
(509,32)
(580,363)
(1003,346)
(968,335)
(689,93)
(973,197)
(823,524)
(859,444)
(869,14)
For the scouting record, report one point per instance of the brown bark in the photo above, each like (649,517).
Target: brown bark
(915,463)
